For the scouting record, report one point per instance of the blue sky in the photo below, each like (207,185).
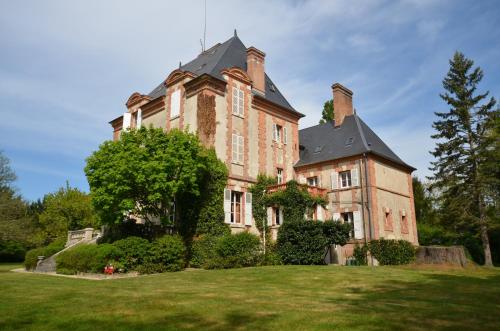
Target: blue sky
(68,67)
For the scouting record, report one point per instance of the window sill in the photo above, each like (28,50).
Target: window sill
(238,225)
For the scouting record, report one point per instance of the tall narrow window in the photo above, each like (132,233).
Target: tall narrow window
(345,179)
(236,207)
(279,175)
(238,102)
(277,132)
(237,148)
(349,219)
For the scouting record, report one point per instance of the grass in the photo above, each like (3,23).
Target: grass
(266,298)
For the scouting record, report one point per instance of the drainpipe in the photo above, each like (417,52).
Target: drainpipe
(368,197)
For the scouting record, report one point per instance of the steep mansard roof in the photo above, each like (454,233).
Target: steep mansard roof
(325,142)
(231,53)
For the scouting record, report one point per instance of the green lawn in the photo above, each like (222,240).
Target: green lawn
(266,298)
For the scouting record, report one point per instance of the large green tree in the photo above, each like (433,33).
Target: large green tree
(464,149)
(328,113)
(64,210)
(147,171)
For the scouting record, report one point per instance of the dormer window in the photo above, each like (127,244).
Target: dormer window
(238,102)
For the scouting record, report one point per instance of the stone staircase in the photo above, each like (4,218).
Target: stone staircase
(85,236)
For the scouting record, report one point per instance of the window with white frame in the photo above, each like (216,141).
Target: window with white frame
(312,181)
(345,179)
(277,132)
(237,149)
(236,206)
(238,101)
(279,175)
(277,216)
(348,218)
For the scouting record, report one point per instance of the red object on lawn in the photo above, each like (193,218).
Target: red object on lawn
(109,269)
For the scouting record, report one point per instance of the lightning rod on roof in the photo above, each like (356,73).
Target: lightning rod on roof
(235,33)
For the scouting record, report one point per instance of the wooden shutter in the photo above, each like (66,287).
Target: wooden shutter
(240,149)
(335,180)
(355,177)
(336,216)
(240,102)
(235,100)
(319,213)
(358,225)
(235,147)
(285,135)
(269,216)
(275,132)
(139,119)
(127,117)
(227,206)
(248,208)
(302,179)
(281,215)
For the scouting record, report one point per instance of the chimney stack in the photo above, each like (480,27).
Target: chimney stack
(342,103)
(255,68)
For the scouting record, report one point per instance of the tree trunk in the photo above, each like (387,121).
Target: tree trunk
(483,228)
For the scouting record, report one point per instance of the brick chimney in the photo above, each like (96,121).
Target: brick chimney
(255,68)
(342,103)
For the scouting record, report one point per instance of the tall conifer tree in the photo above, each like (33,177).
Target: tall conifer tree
(464,149)
(328,112)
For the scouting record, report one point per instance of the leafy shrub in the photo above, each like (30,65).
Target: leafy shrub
(203,251)
(301,242)
(31,258)
(129,228)
(133,251)
(360,255)
(11,251)
(392,252)
(271,257)
(166,254)
(335,232)
(237,250)
(86,258)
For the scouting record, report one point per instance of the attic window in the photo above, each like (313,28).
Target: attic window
(318,149)
(349,141)
(272,88)
(201,67)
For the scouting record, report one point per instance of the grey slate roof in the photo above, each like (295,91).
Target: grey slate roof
(231,53)
(325,142)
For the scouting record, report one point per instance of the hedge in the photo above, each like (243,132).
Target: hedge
(11,251)
(31,258)
(392,252)
(86,258)
(133,252)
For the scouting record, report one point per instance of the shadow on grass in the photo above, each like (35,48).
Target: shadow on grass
(233,320)
(451,302)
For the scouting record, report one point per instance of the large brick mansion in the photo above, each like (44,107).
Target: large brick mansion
(226,96)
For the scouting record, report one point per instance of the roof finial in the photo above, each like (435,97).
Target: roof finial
(235,33)
(180,64)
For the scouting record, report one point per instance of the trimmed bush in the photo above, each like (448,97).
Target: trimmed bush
(392,252)
(237,250)
(203,251)
(86,258)
(133,252)
(166,254)
(31,258)
(301,242)
(228,251)
(360,255)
